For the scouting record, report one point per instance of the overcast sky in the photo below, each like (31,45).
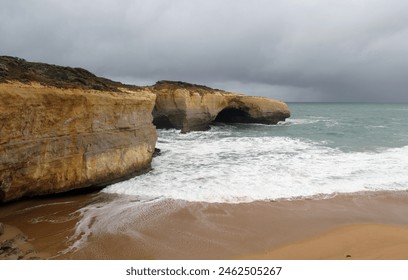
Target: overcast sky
(304,50)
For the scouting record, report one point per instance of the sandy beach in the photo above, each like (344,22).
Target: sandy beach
(357,241)
(102,226)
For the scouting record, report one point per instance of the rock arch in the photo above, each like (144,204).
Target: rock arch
(233,115)
(162,121)
(190,107)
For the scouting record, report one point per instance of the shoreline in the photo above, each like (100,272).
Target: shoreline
(123,227)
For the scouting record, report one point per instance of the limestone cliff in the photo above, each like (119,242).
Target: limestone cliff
(64,136)
(191,107)
(64,128)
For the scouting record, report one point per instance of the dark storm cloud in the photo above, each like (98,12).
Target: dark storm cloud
(321,50)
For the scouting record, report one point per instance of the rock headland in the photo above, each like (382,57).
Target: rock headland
(191,107)
(64,128)
(75,131)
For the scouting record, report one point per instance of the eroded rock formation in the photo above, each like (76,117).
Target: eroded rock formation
(64,128)
(55,139)
(191,107)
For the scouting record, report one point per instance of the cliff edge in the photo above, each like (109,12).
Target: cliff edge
(64,128)
(191,107)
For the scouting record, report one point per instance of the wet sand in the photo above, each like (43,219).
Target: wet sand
(358,242)
(123,227)
(47,223)
(14,245)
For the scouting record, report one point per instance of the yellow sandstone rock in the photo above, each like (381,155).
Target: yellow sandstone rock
(64,128)
(54,139)
(191,107)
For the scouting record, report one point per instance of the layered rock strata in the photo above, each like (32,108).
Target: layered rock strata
(191,107)
(64,128)
(56,139)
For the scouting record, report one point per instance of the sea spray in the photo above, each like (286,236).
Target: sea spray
(322,149)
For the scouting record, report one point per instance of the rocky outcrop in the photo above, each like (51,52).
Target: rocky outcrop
(191,107)
(56,139)
(14,245)
(64,128)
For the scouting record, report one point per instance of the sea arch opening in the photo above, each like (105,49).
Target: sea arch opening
(161,120)
(233,115)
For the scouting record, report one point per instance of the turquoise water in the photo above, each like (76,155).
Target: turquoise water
(350,127)
(347,126)
(323,149)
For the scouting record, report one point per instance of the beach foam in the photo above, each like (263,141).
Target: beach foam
(223,166)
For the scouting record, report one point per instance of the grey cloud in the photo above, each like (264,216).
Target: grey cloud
(351,50)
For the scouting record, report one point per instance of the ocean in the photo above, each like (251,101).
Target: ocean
(209,193)
(322,150)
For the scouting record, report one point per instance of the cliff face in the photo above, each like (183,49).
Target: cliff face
(58,139)
(190,107)
(64,128)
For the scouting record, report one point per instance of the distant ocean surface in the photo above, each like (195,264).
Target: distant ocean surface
(322,150)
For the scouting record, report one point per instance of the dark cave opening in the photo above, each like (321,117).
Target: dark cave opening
(162,122)
(233,115)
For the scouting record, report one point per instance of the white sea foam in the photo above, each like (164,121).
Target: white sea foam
(111,217)
(299,121)
(216,166)
(311,120)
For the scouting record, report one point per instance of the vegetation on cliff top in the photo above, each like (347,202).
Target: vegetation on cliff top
(17,69)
